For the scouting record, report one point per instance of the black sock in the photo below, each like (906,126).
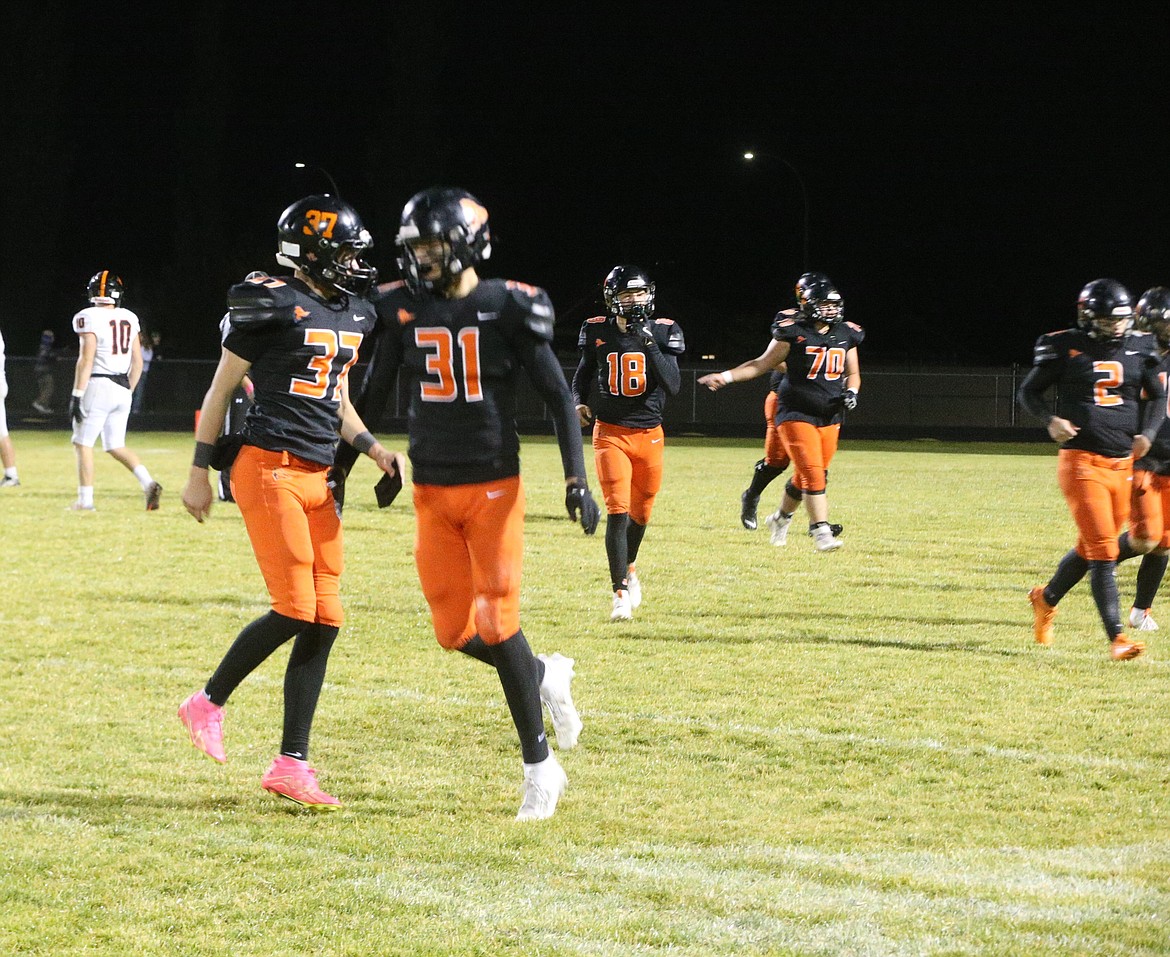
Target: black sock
(252,646)
(1070,570)
(1103,579)
(634,541)
(480,650)
(1124,548)
(1149,577)
(762,476)
(302,686)
(616,548)
(520,671)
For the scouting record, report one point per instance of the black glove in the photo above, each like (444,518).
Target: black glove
(642,330)
(849,400)
(76,412)
(335,479)
(577,497)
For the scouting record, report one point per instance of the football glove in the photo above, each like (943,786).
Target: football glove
(643,332)
(577,498)
(335,479)
(76,412)
(849,400)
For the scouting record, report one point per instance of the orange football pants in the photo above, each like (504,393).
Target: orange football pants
(1097,489)
(1149,508)
(292,523)
(811,448)
(774,454)
(469,551)
(629,468)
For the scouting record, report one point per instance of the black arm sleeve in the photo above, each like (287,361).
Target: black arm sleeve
(549,380)
(1154,408)
(583,377)
(665,368)
(1032,389)
(377,387)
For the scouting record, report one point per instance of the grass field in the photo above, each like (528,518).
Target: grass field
(861,752)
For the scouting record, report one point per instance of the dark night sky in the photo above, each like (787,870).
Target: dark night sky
(966,172)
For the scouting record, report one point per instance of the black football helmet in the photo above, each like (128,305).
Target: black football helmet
(818,299)
(1152,314)
(625,279)
(324,237)
(104,289)
(1105,309)
(454,217)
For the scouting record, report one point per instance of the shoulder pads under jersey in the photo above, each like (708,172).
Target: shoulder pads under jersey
(583,336)
(261,302)
(675,344)
(785,327)
(1052,345)
(533,308)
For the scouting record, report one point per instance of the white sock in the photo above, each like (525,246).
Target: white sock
(142,473)
(85,494)
(10,472)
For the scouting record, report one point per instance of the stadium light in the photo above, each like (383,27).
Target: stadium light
(751,155)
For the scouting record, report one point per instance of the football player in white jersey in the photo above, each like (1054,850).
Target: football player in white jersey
(7,453)
(109,364)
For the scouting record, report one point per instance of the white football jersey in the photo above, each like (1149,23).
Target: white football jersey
(116,330)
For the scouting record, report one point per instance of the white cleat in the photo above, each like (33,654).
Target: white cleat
(544,783)
(823,540)
(778,527)
(555,694)
(635,586)
(623,610)
(1142,620)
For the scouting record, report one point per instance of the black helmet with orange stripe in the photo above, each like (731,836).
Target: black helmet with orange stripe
(324,238)
(104,289)
(1152,314)
(1105,309)
(818,299)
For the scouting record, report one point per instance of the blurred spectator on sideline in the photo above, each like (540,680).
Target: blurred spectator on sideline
(43,370)
(150,343)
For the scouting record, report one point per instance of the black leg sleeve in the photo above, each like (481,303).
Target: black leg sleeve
(1069,571)
(1149,577)
(478,649)
(520,672)
(762,476)
(302,686)
(1103,579)
(252,646)
(634,541)
(616,548)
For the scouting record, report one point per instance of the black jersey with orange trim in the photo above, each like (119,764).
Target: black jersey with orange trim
(814,385)
(629,391)
(300,348)
(1100,385)
(462,360)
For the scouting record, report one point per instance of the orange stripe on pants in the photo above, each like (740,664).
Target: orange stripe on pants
(1097,489)
(469,551)
(811,448)
(296,535)
(629,468)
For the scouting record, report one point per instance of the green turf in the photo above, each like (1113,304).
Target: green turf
(786,752)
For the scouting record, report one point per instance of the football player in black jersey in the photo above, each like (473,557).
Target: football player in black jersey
(462,343)
(775,459)
(822,382)
(632,358)
(1102,370)
(295,338)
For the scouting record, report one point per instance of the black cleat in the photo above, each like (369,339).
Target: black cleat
(747,510)
(153,494)
(835,529)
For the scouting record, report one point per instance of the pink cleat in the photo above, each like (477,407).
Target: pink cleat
(294,780)
(204,723)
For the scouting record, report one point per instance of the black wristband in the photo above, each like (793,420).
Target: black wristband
(203,453)
(363,442)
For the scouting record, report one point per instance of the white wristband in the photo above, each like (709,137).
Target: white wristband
(78,393)
(725,375)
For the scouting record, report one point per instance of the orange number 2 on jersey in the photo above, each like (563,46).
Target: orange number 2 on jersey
(1112,375)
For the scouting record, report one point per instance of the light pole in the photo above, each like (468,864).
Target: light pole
(750,155)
